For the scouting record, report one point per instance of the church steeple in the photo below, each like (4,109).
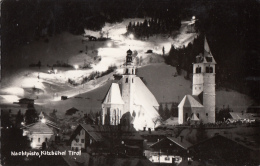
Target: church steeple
(129,64)
(129,58)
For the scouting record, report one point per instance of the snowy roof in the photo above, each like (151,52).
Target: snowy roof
(102,132)
(113,95)
(190,101)
(240,115)
(208,57)
(39,128)
(171,121)
(178,141)
(148,104)
(194,117)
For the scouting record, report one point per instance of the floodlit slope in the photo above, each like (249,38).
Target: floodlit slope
(167,88)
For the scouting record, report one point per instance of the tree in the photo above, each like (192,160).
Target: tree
(30,114)
(19,119)
(167,112)
(223,114)
(161,111)
(174,110)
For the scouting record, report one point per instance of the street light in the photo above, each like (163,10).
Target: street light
(109,44)
(131,36)
(76,67)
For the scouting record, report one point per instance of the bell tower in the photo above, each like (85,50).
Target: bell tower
(128,83)
(204,82)
(209,92)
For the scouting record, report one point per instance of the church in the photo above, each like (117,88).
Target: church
(200,106)
(129,101)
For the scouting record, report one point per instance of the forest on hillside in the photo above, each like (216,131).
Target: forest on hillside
(231,27)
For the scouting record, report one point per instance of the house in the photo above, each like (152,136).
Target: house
(221,150)
(41,133)
(200,106)
(107,139)
(169,150)
(26,101)
(243,117)
(72,111)
(130,96)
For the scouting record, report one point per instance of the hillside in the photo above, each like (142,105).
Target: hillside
(160,79)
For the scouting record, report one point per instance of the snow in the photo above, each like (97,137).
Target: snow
(18,80)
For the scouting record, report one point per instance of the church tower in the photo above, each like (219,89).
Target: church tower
(204,82)
(128,83)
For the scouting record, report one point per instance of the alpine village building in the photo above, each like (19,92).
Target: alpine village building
(200,106)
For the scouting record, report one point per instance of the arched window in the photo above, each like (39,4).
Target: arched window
(207,114)
(132,80)
(126,80)
(186,116)
(198,115)
(198,69)
(132,71)
(126,71)
(207,69)
(211,70)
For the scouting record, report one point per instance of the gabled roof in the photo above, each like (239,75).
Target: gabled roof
(208,57)
(39,128)
(102,132)
(113,95)
(194,117)
(190,101)
(171,121)
(181,143)
(240,115)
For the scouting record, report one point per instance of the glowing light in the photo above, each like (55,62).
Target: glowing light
(55,71)
(131,36)
(15,91)
(22,123)
(76,67)
(193,17)
(10,98)
(43,120)
(109,44)
(33,145)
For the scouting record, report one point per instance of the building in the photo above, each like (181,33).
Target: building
(169,150)
(129,101)
(114,139)
(221,150)
(42,132)
(243,117)
(202,103)
(26,101)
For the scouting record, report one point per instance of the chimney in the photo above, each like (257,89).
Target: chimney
(150,131)
(144,128)
(181,138)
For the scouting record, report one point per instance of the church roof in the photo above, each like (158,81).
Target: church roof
(190,101)
(194,117)
(113,95)
(148,104)
(39,128)
(208,57)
